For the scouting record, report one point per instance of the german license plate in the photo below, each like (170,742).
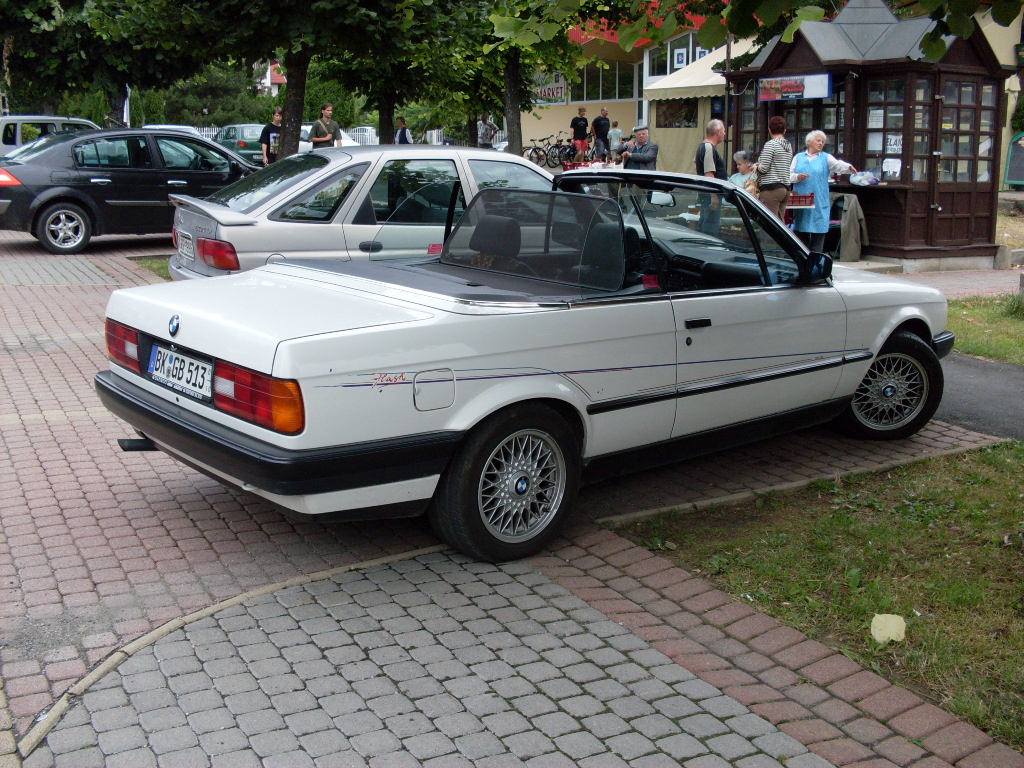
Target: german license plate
(181,373)
(185,246)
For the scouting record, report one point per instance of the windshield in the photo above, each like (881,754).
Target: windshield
(248,192)
(37,147)
(552,236)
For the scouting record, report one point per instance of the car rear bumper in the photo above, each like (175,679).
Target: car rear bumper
(310,481)
(178,270)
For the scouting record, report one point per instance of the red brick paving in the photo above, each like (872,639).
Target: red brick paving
(98,547)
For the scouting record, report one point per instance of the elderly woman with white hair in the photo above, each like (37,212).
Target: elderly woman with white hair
(744,168)
(811,170)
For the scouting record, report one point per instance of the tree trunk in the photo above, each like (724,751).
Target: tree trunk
(386,113)
(296,64)
(513,120)
(471,130)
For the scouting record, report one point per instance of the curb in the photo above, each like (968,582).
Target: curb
(618,521)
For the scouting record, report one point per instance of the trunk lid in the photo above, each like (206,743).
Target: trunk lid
(243,318)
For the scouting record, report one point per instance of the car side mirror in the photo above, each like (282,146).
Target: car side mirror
(815,268)
(663,199)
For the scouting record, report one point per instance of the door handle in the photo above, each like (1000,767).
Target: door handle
(698,322)
(371,246)
(101,181)
(177,183)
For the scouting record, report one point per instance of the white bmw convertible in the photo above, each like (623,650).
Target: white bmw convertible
(559,336)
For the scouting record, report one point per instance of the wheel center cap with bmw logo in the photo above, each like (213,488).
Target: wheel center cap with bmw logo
(174,325)
(521,485)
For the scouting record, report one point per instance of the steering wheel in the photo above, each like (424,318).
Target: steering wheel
(522,268)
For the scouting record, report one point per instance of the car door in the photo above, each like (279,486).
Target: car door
(118,174)
(401,210)
(193,167)
(751,341)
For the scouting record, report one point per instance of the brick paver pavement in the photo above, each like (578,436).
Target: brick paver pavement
(98,547)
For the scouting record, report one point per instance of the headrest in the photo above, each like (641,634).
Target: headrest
(496,236)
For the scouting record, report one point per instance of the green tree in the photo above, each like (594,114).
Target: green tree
(222,93)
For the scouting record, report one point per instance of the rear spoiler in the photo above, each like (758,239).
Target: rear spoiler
(219,213)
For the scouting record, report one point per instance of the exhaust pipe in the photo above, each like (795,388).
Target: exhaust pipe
(137,444)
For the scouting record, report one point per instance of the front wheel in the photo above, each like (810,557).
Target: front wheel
(899,393)
(509,486)
(537,156)
(63,228)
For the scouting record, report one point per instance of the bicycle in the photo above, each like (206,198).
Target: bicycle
(538,154)
(560,152)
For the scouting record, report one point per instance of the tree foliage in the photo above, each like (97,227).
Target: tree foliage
(743,18)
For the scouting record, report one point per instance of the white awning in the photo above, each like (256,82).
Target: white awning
(696,79)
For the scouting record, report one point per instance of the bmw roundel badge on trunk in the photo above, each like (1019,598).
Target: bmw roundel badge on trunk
(174,325)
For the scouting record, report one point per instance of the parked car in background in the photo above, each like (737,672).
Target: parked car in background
(16,130)
(558,337)
(66,187)
(383,202)
(243,138)
(174,127)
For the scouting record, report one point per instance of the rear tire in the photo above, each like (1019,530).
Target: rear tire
(510,485)
(899,393)
(63,228)
(537,156)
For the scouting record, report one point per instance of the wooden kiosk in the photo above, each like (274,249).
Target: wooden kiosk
(929,130)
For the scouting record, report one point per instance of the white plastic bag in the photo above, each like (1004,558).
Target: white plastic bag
(863,178)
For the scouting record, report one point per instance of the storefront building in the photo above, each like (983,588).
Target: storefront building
(930,130)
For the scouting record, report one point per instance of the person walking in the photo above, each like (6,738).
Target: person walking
(404,135)
(812,169)
(600,126)
(708,162)
(325,131)
(580,129)
(614,140)
(773,169)
(485,131)
(640,153)
(270,138)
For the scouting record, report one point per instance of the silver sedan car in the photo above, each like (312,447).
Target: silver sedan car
(373,202)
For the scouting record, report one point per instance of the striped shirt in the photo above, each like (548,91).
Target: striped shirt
(773,164)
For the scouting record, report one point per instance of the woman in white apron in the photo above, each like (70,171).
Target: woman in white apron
(813,168)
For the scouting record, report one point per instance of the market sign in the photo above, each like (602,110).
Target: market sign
(794,87)
(549,89)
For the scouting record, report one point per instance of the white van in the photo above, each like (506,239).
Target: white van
(16,130)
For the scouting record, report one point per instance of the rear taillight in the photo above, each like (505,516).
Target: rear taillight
(217,253)
(7,179)
(242,144)
(174,237)
(272,403)
(123,346)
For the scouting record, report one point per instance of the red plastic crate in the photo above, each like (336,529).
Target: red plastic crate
(801,201)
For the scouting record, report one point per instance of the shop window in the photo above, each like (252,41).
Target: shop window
(657,61)
(614,82)
(677,113)
(592,82)
(967,132)
(884,151)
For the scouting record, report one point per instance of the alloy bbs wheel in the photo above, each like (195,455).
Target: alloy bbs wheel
(893,392)
(64,229)
(521,486)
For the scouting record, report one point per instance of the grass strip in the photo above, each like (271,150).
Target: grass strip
(940,543)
